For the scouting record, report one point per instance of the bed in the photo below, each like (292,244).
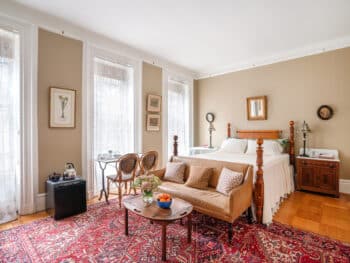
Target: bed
(274,174)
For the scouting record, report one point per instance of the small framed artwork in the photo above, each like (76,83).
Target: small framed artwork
(62,108)
(257,108)
(153,122)
(154,103)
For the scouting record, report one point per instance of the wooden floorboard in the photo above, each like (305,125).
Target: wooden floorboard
(319,214)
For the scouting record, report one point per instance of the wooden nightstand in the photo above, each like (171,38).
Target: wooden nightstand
(318,175)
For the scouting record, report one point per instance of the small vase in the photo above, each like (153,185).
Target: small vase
(147,196)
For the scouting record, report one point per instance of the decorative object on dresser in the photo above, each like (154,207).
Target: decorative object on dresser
(257,108)
(202,149)
(320,172)
(325,112)
(210,117)
(153,122)
(62,108)
(65,198)
(305,130)
(154,103)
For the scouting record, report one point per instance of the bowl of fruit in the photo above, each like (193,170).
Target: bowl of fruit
(164,201)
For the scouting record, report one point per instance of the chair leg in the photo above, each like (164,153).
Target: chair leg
(126,188)
(120,194)
(250,215)
(230,232)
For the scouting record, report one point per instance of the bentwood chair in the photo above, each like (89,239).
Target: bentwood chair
(126,171)
(148,162)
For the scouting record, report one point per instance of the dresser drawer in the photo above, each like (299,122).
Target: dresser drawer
(326,164)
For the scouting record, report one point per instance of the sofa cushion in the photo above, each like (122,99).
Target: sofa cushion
(199,177)
(208,199)
(217,167)
(228,180)
(175,172)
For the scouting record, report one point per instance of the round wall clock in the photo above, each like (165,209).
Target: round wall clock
(325,112)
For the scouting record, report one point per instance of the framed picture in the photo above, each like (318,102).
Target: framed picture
(257,108)
(153,103)
(62,108)
(153,122)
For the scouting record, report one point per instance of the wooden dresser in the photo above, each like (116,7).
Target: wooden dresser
(318,175)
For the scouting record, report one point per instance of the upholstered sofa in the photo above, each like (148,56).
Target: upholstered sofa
(208,201)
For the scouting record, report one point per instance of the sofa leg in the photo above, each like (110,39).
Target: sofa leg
(250,215)
(230,232)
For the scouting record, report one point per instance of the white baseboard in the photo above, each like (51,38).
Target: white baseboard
(40,203)
(344,186)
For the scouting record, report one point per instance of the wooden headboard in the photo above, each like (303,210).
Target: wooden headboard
(258,134)
(267,134)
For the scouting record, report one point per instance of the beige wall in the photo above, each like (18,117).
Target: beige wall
(59,65)
(151,84)
(295,89)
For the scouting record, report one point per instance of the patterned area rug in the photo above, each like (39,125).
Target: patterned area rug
(98,236)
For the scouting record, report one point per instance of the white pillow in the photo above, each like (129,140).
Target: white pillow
(270,147)
(228,180)
(233,145)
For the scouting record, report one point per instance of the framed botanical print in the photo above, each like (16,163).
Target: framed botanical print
(153,122)
(154,103)
(257,108)
(62,108)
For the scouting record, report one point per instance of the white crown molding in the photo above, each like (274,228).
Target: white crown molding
(58,25)
(318,48)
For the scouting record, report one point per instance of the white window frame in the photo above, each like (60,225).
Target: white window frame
(188,80)
(90,52)
(28,180)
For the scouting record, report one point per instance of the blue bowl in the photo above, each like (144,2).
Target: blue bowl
(165,205)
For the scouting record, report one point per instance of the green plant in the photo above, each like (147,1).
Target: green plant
(147,182)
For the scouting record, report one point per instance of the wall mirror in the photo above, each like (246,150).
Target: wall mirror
(257,108)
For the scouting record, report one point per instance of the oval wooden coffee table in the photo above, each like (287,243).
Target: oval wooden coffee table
(178,210)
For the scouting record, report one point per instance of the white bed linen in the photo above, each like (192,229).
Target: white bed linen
(278,177)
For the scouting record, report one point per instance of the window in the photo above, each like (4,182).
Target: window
(114,118)
(179,112)
(10,124)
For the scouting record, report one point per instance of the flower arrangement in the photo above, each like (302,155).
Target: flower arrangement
(148,184)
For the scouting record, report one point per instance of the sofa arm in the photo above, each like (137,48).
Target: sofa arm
(160,173)
(241,196)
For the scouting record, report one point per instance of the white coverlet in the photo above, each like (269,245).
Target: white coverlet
(278,177)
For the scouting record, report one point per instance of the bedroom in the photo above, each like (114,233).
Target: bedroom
(303,68)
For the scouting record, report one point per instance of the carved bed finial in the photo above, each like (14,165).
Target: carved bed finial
(175,145)
(228,130)
(259,183)
(291,143)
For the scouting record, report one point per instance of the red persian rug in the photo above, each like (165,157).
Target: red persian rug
(98,236)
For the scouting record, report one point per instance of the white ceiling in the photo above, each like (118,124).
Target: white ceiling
(208,36)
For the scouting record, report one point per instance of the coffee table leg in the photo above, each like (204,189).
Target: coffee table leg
(126,222)
(189,228)
(164,241)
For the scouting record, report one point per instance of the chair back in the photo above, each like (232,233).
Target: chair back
(127,164)
(148,161)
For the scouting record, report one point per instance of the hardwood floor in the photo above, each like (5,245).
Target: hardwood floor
(322,215)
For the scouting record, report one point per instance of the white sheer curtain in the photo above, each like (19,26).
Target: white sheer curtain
(9,124)
(113,111)
(178,116)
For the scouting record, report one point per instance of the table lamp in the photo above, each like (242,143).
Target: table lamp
(305,129)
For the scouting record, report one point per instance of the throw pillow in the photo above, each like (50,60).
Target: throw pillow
(175,172)
(228,180)
(199,177)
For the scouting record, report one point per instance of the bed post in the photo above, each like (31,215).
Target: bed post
(175,145)
(228,130)
(291,143)
(259,183)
